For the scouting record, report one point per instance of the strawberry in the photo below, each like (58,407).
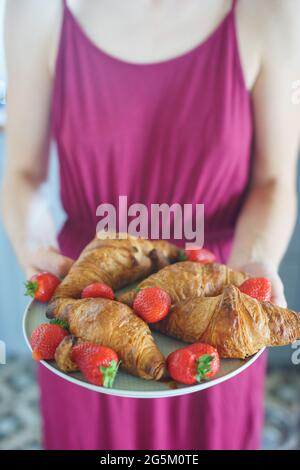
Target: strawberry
(193,363)
(98,364)
(42,286)
(198,255)
(202,348)
(259,288)
(152,304)
(98,289)
(45,338)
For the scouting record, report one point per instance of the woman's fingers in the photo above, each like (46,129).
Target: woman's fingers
(270,272)
(278,297)
(279,300)
(49,259)
(30,271)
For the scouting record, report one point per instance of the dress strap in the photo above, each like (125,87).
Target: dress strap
(233,4)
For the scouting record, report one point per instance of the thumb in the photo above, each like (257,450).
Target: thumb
(278,297)
(50,259)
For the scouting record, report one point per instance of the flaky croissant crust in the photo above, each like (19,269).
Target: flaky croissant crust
(186,279)
(115,325)
(115,262)
(236,324)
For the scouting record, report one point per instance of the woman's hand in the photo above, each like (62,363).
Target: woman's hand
(267,270)
(47,259)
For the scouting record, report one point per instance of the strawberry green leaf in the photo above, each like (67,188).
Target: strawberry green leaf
(203,366)
(61,323)
(109,373)
(31,288)
(182,256)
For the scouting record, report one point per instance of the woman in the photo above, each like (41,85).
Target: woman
(159,101)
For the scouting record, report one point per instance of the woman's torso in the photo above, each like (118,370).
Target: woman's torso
(174,131)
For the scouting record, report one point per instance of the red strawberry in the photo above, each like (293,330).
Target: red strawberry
(193,363)
(200,255)
(98,364)
(42,286)
(152,304)
(201,349)
(98,289)
(45,338)
(259,288)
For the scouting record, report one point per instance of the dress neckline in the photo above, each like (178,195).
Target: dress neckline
(185,55)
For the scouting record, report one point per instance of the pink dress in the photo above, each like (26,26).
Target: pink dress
(175,131)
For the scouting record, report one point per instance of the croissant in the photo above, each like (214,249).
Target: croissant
(187,279)
(115,262)
(236,324)
(114,325)
(63,354)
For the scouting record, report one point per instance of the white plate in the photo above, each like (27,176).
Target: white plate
(126,385)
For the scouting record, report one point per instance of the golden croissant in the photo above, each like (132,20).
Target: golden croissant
(63,354)
(187,279)
(115,262)
(114,325)
(236,324)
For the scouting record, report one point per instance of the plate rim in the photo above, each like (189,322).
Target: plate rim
(169,393)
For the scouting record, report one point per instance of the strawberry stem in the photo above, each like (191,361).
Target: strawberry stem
(109,373)
(203,366)
(182,256)
(61,323)
(31,288)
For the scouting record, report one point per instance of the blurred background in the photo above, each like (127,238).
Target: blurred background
(19,418)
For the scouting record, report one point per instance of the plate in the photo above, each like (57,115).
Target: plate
(126,385)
